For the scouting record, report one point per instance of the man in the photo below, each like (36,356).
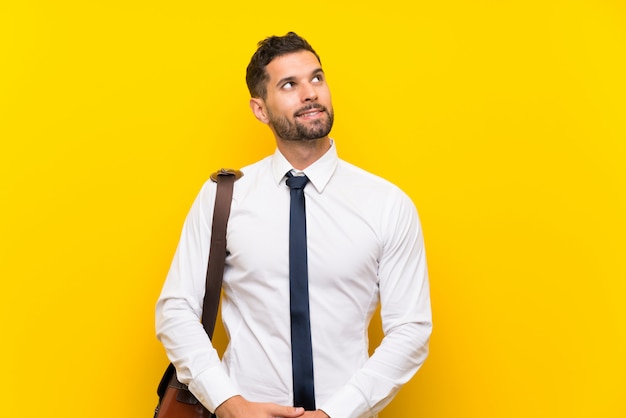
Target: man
(363,246)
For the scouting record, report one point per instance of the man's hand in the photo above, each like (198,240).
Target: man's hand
(238,407)
(315,414)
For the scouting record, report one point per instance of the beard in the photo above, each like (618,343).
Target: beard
(296,131)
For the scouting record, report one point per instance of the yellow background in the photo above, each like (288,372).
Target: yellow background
(503,120)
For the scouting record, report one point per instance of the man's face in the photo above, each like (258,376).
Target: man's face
(298,104)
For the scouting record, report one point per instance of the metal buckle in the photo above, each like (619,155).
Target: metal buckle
(226,172)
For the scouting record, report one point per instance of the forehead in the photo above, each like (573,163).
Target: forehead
(295,64)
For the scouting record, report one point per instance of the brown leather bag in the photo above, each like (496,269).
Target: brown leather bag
(175,399)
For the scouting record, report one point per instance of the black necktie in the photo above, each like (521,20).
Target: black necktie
(301,350)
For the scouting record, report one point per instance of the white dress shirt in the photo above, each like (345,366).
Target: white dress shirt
(365,246)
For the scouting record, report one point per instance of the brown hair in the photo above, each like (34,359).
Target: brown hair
(268,49)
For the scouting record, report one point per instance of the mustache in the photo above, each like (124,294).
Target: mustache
(307,108)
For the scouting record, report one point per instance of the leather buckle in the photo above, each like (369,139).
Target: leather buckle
(226,172)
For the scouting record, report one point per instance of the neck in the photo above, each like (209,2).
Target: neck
(302,154)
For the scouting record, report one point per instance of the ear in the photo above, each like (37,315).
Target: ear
(258,108)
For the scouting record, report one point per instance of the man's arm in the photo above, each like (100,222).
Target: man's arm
(179,309)
(406,317)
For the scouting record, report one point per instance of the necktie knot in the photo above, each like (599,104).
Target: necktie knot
(296,182)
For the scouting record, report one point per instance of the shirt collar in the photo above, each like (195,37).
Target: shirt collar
(319,173)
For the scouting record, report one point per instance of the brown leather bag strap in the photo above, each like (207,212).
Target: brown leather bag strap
(225,179)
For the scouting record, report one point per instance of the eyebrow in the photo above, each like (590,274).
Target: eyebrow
(293,78)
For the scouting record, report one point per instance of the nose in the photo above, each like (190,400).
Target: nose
(309,93)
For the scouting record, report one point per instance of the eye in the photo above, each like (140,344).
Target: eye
(318,79)
(288,85)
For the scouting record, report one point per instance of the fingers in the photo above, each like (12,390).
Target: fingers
(238,407)
(315,414)
(285,411)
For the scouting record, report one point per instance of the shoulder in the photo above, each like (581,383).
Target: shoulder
(249,173)
(377,187)
(257,167)
(385,206)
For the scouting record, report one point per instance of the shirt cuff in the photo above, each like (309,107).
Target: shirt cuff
(348,402)
(213,387)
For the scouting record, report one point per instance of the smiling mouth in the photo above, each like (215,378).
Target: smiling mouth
(310,113)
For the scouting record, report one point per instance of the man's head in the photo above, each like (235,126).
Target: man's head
(268,49)
(289,90)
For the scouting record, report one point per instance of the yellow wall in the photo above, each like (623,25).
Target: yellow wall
(504,121)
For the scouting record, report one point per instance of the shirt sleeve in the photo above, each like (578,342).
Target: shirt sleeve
(406,317)
(179,309)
